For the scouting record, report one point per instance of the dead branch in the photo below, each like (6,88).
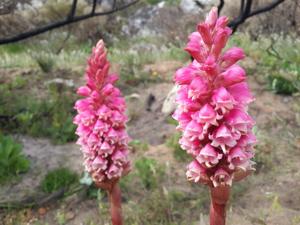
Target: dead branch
(70,19)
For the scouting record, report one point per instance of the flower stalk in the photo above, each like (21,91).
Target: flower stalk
(212,104)
(115,204)
(101,127)
(219,198)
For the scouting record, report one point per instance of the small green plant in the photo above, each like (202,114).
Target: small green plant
(60,218)
(281,85)
(138,145)
(57,179)
(12,160)
(149,171)
(51,117)
(178,152)
(45,61)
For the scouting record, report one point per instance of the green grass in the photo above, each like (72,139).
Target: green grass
(49,117)
(276,60)
(149,172)
(12,160)
(138,145)
(57,179)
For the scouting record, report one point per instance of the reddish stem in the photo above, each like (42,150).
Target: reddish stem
(115,204)
(219,199)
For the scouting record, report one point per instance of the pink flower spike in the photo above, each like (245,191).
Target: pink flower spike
(101,121)
(209,156)
(222,99)
(231,56)
(212,99)
(195,172)
(221,178)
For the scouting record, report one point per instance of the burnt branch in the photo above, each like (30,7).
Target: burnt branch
(220,6)
(73,9)
(246,11)
(70,19)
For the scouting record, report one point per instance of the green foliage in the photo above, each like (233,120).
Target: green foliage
(138,145)
(276,60)
(45,61)
(57,179)
(13,48)
(281,85)
(12,160)
(153,2)
(149,171)
(178,152)
(38,117)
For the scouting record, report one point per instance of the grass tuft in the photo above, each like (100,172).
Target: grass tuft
(57,179)
(12,160)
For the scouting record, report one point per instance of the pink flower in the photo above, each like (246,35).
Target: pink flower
(223,100)
(196,47)
(221,177)
(207,115)
(233,75)
(231,56)
(239,121)
(213,99)
(194,131)
(195,172)
(192,147)
(222,137)
(198,88)
(209,156)
(101,121)
(247,142)
(238,158)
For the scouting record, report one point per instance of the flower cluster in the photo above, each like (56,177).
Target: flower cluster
(212,100)
(101,121)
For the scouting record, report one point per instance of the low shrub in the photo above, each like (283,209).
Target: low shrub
(57,179)
(12,160)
